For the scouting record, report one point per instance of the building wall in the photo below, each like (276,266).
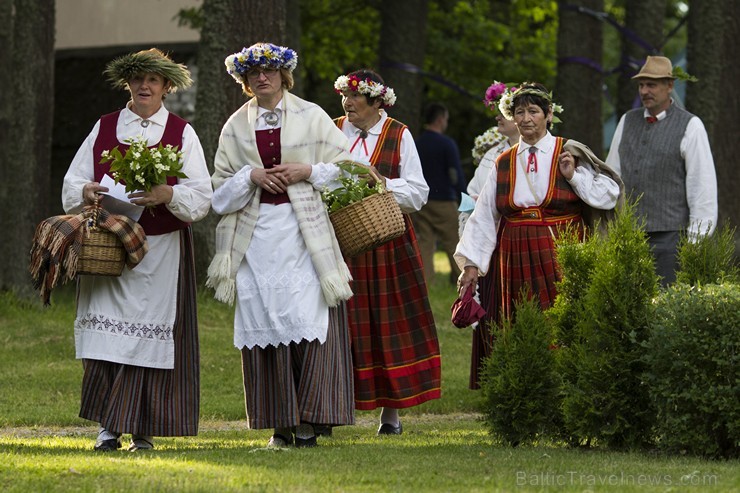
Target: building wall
(91,33)
(98,23)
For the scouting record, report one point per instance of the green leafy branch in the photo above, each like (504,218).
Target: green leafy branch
(357,182)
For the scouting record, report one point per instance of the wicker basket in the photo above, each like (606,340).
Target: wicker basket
(102,253)
(367,224)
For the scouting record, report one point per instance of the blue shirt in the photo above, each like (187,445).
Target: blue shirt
(440,162)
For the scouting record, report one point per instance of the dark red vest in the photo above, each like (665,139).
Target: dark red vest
(157,220)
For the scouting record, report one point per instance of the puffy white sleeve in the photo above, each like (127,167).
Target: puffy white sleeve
(410,190)
(191,196)
(478,240)
(81,172)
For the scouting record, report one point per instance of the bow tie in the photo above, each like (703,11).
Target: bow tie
(651,119)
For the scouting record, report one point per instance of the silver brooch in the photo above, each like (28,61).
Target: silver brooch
(271,118)
(145,123)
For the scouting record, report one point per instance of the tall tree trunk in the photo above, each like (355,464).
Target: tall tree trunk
(26,114)
(645,19)
(228,26)
(402,45)
(711,52)
(578,86)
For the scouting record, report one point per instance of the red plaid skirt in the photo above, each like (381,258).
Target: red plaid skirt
(524,259)
(394,339)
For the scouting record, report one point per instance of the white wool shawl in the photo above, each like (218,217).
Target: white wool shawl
(308,135)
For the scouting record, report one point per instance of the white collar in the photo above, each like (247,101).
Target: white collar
(660,115)
(375,129)
(545,145)
(159,118)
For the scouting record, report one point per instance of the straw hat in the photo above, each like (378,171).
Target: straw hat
(123,69)
(656,67)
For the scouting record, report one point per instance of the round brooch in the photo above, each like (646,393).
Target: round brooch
(271,118)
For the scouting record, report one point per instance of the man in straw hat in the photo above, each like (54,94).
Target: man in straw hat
(663,155)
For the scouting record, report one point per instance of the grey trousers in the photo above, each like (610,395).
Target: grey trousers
(664,248)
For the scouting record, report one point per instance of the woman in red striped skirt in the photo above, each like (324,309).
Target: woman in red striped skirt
(536,190)
(394,340)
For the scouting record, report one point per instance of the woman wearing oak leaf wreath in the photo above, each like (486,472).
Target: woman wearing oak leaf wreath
(137,334)
(540,186)
(394,339)
(276,252)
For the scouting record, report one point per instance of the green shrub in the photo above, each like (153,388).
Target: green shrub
(708,260)
(692,359)
(576,260)
(519,382)
(604,395)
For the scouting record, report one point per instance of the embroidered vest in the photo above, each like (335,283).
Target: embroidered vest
(560,204)
(157,220)
(653,168)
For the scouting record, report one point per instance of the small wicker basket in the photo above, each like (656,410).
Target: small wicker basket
(102,253)
(367,224)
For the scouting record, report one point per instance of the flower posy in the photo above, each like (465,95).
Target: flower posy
(265,55)
(367,87)
(142,168)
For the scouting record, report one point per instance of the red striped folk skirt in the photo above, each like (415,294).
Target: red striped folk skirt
(394,340)
(151,401)
(524,259)
(304,382)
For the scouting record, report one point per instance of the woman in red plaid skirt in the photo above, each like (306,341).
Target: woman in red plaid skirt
(394,339)
(537,189)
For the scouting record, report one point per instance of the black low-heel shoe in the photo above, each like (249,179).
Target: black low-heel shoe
(305,442)
(389,429)
(107,445)
(322,430)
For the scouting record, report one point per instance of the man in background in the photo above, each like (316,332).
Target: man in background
(662,153)
(436,223)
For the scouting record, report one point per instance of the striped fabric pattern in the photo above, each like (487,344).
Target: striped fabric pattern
(525,255)
(394,338)
(305,382)
(149,401)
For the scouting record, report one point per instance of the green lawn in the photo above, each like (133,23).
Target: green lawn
(44,446)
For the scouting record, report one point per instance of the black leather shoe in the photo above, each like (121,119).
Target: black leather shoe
(280,441)
(305,442)
(389,429)
(108,445)
(322,430)
(140,443)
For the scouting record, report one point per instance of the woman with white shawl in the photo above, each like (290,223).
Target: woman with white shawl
(277,255)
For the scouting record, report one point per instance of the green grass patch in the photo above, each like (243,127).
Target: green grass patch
(44,446)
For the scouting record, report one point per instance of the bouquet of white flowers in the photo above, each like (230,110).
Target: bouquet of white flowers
(141,167)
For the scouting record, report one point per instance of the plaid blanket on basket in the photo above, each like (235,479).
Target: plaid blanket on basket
(58,240)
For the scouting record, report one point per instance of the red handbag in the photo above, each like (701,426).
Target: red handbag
(465,310)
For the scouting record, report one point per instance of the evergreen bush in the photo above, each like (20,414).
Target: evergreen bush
(576,260)
(605,397)
(692,358)
(709,259)
(519,381)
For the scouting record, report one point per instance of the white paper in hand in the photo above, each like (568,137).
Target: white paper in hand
(116,200)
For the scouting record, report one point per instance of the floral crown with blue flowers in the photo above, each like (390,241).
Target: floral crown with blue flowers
(265,55)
